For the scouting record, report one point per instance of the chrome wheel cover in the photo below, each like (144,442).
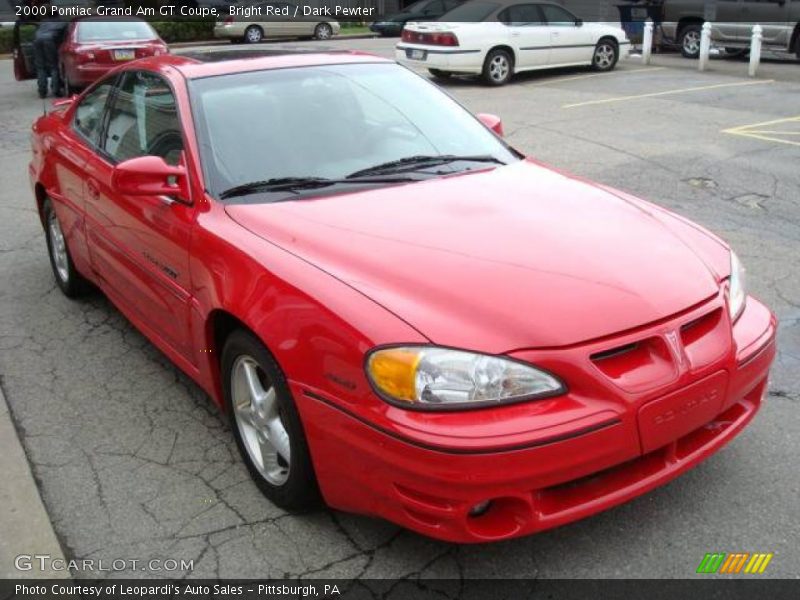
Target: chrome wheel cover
(253,35)
(255,409)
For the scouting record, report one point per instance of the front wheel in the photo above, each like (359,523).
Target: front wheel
(71,283)
(498,67)
(690,41)
(606,55)
(266,424)
(253,34)
(323,31)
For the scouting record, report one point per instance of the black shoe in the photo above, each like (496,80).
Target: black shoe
(59,93)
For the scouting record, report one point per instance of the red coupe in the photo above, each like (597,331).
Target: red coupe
(401,314)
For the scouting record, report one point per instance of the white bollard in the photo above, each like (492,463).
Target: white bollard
(705,46)
(755,49)
(647,42)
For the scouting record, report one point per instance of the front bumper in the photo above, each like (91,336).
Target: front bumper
(614,446)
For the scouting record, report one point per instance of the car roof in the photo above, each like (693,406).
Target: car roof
(196,65)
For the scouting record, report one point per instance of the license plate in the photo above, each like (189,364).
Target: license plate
(124,54)
(416,54)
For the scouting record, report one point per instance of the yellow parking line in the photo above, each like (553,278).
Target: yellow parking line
(592,75)
(756,131)
(764,124)
(773,132)
(669,92)
(764,138)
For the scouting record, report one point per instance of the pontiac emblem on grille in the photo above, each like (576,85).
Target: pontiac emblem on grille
(675,347)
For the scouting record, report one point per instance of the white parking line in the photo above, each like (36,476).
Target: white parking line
(669,92)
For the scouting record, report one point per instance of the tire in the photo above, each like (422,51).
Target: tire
(253,34)
(439,74)
(689,40)
(237,40)
(498,67)
(288,481)
(606,55)
(797,47)
(323,31)
(71,283)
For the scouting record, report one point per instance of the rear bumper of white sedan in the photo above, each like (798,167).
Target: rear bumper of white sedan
(457,60)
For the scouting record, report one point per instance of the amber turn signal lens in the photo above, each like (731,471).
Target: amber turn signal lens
(394,371)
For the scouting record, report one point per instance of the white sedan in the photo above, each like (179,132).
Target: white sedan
(497,38)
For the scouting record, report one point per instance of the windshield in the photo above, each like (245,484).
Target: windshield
(329,122)
(101,31)
(469,12)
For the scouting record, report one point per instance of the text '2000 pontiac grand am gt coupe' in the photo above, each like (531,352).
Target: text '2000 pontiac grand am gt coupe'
(402,315)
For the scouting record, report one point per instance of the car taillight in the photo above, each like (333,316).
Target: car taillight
(228,21)
(83,56)
(432,39)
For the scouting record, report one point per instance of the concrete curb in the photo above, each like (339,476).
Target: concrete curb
(24,521)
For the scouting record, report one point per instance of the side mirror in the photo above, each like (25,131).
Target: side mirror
(150,176)
(578,22)
(493,122)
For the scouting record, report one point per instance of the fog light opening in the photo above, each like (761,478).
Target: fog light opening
(480,508)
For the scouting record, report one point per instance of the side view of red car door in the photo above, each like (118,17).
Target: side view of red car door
(139,245)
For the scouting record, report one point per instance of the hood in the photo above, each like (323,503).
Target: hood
(514,257)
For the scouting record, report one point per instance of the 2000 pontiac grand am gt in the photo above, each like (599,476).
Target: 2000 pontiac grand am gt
(399,311)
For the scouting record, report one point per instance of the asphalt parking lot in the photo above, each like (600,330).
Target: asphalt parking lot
(133,461)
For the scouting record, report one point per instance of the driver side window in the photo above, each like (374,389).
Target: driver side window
(143,120)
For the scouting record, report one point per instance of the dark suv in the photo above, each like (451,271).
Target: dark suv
(732,23)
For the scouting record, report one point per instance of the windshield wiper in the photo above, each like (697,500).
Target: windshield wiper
(411,163)
(291,184)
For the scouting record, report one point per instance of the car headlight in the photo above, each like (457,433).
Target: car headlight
(432,378)
(737,294)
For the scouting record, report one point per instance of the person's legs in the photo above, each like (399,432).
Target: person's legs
(40,61)
(52,67)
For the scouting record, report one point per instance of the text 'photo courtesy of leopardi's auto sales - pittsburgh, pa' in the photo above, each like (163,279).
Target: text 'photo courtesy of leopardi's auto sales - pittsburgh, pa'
(399,312)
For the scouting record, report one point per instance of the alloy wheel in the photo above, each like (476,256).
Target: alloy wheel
(691,42)
(604,56)
(499,68)
(323,32)
(255,406)
(58,247)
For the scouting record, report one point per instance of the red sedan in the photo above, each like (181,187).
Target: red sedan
(94,46)
(399,312)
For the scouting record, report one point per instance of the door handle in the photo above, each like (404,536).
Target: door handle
(515,34)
